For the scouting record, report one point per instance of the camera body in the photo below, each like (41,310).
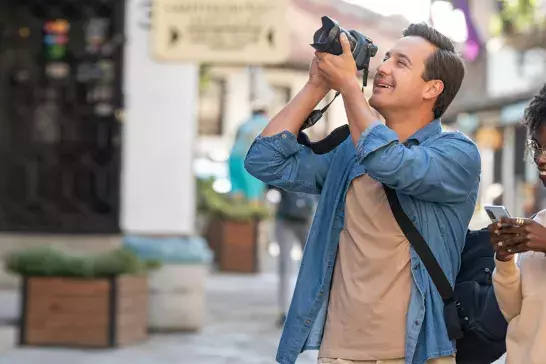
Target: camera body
(327,39)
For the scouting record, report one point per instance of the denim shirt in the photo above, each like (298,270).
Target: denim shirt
(436,177)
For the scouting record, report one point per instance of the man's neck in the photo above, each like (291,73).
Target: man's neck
(407,125)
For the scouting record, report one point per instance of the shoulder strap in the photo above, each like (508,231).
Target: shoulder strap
(420,245)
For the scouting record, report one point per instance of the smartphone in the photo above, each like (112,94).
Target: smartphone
(496,212)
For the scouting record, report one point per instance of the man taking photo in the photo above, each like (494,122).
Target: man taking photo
(363,295)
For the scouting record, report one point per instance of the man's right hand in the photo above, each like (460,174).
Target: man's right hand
(315,79)
(497,238)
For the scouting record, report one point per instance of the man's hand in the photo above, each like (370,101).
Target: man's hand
(497,239)
(339,71)
(522,235)
(316,80)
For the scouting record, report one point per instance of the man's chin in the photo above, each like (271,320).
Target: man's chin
(375,103)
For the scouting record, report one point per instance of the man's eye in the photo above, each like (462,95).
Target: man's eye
(401,63)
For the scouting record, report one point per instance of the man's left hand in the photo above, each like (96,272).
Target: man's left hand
(339,71)
(526,234)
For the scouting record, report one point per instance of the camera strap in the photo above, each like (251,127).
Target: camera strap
(336,137)
(451,306)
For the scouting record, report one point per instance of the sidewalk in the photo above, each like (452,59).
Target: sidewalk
(240,329)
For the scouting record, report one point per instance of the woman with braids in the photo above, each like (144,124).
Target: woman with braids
(520,283)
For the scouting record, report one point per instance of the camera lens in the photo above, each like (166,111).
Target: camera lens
(323,36)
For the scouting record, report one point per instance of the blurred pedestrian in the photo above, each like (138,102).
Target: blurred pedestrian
(293,218)
(520,285)
(243,184)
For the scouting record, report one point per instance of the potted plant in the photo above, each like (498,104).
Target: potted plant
(177,289)
(232,229)
(81,301)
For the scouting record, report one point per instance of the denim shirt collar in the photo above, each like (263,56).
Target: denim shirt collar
(429,130)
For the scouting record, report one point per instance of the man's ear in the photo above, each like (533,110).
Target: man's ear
(433,89)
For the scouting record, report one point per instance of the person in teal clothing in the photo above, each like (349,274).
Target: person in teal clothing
(243,184)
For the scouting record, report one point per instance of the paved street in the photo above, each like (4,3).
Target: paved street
(240,329)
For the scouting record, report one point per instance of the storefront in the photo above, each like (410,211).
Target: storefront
(60,102)
(495,125)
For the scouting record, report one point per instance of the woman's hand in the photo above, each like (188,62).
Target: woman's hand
(497,238)
(521,235)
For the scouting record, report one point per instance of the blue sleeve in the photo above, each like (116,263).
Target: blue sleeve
(279,160)
(445,172)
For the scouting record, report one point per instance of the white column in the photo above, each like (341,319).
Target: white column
(237,102)
(158,187)
(157,190)
(508,168)
(488,173)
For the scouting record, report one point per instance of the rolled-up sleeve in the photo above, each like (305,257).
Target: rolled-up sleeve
(445,171)
(279,160)
(507,285)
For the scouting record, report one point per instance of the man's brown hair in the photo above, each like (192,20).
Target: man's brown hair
(445,64)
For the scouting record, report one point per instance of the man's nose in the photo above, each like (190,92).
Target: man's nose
(384,67)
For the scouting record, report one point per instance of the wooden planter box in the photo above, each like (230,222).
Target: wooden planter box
(96,313)
(235,245)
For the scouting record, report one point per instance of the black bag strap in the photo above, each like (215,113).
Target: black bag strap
(421,247)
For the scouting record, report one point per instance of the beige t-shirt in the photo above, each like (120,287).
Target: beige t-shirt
(521,293)
(371,283)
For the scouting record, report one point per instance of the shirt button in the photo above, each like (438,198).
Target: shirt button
(284,135)
(321,292)
(307,322)
(417,322)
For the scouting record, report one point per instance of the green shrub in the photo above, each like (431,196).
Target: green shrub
(221,205)
(48,262)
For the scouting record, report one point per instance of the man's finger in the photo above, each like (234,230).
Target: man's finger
(322,65)
(320,55)
(323,74)
(345,45)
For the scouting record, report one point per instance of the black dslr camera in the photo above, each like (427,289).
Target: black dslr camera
(327,39)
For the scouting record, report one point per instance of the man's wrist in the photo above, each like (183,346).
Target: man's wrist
(317,91)
(351,87)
